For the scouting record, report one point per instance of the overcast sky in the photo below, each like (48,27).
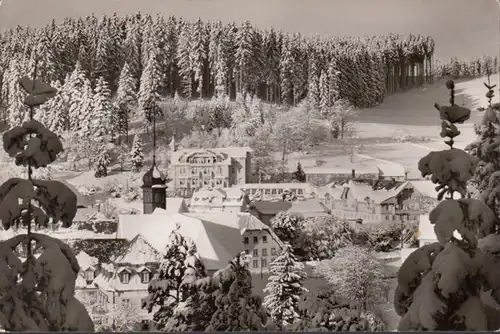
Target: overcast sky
(466,28)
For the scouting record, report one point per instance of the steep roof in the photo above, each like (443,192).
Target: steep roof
(249,222)
(103,249)
(156,229)
(236,152)
(139,251)
(308,208)
(425,188)
(392,169)
(174,205)
(271,207)
(86,261)
(378,193)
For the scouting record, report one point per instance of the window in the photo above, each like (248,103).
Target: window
(125,302)
(264,239)
(205,182)
(205,171)
(273,191)
(89,275)
(219,170)
(267,191)
(255,240)
(233,170)
(181,181)
(247,251)
(245,241)
(264,263)
(300,191)
(255,252)
(125,277)
(264,251)
(217,181)
(272,259)
(145,276)
(273,251)
(256,263)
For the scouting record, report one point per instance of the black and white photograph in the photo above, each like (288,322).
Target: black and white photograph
(230,165)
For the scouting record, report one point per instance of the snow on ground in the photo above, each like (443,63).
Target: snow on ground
(61,233)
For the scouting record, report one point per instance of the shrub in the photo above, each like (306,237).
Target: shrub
(381,237)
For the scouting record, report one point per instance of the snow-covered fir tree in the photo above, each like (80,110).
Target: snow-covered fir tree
(179,268)
(87,112)
(102,112)
(148,92)
(236,308)
(125,99)
(17,112)
(299,174)
(74,89)
(486,149)
(53,114)
(184,59)
(136,154)
(313,91)
(284,288)
(199,54)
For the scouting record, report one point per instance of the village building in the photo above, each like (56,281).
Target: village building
(277,191)
(307,208)
(351,167)
(192,169)
(375,201)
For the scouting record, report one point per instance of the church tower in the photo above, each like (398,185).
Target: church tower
(154,188)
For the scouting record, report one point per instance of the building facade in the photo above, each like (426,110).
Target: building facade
(375,202)
(216,168)
(219,200)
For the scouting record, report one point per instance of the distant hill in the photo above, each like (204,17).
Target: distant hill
(463,28)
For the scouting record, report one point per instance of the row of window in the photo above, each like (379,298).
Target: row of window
(210,160)
(255,240)
(274,191)
(263,263)
(255,252)
(206,182)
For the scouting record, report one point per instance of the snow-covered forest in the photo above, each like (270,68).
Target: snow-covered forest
(208,58)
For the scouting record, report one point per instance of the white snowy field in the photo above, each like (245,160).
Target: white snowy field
(413,113)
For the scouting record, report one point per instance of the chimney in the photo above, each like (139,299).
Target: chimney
(353,173)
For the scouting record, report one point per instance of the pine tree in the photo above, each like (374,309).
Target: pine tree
(148,92)
(299,174)
(38,291)
(486,146)
(184,59)
(85,117)
(286,69)
(133,51)
(284,288)
(54,113)
(244,42)
(236,308)
(179,269)
(313,92)
(102,162)
(324,93)
(16,110)
(125,99)
(442,292)
(74,92)
(103,108)
(136,154)
(199,53)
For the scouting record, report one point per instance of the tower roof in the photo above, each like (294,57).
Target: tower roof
(153,177)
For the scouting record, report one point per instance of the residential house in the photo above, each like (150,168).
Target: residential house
(351,167)
(124,281)
(219,200)
(258,239)
(373,201)
(192,169)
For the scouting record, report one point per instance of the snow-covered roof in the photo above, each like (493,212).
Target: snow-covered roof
(392,169)
(156,229)
(308,208)
(346,170)
(86,214)
(86,261)
(138,252)
(426,229)
(235,152)
(426,188)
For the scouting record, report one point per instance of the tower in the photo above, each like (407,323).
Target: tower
(154,188)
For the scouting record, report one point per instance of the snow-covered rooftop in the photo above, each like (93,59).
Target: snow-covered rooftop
(156,229)
(86,261)
(138,252)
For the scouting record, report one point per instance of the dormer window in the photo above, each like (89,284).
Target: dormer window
(124,276)
(89,275)
(145,276)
